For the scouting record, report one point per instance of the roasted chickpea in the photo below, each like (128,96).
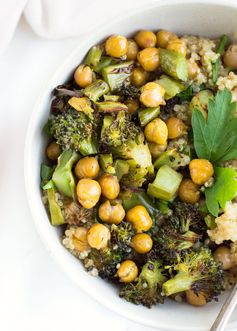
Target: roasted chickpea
(200,170)
(177,45)
(152,95)
(87,167)
(127,271)
(156,131)
(88,192)
(163,37)
(79,239)
(149,58)
(142,243)
(116,46)
(145,38)
(132,50)
(83,75)
(156,149)
(53,151)
(111,213)
(189,191)
(176,127)
(132,105)
(140,218)
(195,299)
(98,236)
(230,57)
(223,254)
(139,77)
(193,69)
(109,186)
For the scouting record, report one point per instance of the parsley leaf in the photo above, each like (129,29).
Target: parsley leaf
(223,190)
(215,139)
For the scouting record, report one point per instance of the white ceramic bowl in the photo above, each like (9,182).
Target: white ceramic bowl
(206,18)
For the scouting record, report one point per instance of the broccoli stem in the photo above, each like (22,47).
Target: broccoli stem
(220,49)
(56,216)
(106,163)
(171,86)
(148,114)
(181,282)
(170,158)
(104,62)
(115,75)
(95,90)
(88,147)
(111,106)
(93,57)
(174,64)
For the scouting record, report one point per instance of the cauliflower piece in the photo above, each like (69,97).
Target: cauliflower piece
(226,225)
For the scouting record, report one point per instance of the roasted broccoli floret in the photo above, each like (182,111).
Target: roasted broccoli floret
(121,236)
(196,271)
(147,289)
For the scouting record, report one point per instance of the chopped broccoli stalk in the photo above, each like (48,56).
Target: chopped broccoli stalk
(62,176)
(81,104)
(116,74)
(46,173)
(88,147)
(172,87)
(104,62)
(107,121)
(140,198)
(163,207)
(170,158)
(121,168)
(56,216)
(106,163)
(166,184)
(148,114)
(110,97)
(111,106)
(174,64)
(93,56)
(96,89)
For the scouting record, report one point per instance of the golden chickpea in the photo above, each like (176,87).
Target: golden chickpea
(83,75)
(109,186)
(156,149)
(195,299)
(98,236)
(79,239)
(88,192)
(193,69)
(87,167)
(142,243)
(230,57)
(163,37)
(145,38)
(132,50)
(139,77)
(177,45)
(156,131)
(132,105)
(176,127)
(116,46)
(111,213)
(140,218)
(200,170)
(223,254)
(127,271)
(149,58)
(53,151)
(189,191)
(152,95)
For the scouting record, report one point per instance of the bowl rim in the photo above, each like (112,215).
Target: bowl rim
(52,246)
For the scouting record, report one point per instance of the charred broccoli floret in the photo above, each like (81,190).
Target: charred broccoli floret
(121,236)
(147,289)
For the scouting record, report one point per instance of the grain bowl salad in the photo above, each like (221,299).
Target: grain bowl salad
(141,166)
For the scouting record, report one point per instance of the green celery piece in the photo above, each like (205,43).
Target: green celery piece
(93,56)
(148,114)
(174,64)
(220,50)
(96,89)
(111,106)
(56,216)
(62,176)
(106,163)
(121,168)
(116,74)
(170,158)
(166,184)
(172,87)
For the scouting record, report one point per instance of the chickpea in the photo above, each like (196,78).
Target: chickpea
(163,37)
(176,127)
(116,46)
(79,239)
(230,57)
(193,69)
(139,77)
(53,151)
(145,38)
(98,236)
(111,213)
(132,50)
(142,243)
(200,171)
(88,192)
(156,131)
(109,186)
(223,254)
(177,45)
(87,167)
(149,58)
(195,299)
(152,95)
(132,105)
(83,75)
(140,218)
(188,191)
(127,271)
(156,149)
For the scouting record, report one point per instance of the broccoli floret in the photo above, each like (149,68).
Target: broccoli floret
(147,289)
(196,271)
(121,236)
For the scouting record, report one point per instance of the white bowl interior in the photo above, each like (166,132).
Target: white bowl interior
(208,19)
